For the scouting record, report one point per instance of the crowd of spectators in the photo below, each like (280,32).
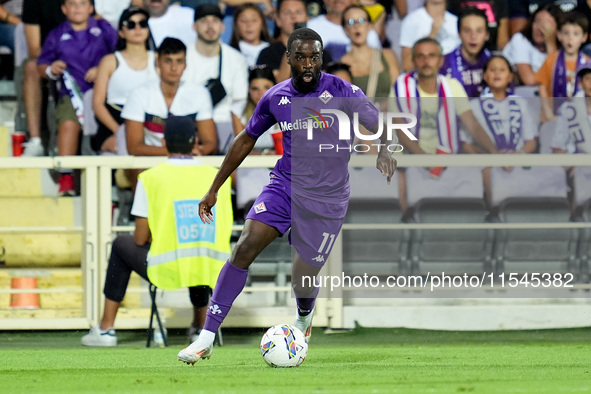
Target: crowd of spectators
(136,63)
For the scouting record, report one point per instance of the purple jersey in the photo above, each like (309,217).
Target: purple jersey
(80,50)
(313,174)
(469,74)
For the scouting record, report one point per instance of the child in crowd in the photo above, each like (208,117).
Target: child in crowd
(71,53)
(249,34)
(557,75)
(573,124)
(502,115)
(466,62)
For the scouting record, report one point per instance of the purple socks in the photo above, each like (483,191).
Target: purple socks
(305,305)
(229,285)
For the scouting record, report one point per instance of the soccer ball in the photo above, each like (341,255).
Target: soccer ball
(284,346)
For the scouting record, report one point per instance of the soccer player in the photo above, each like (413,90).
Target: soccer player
(308,191)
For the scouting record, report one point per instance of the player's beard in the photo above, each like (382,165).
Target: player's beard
(300,85)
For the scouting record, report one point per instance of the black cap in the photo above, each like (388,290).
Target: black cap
(179,130)
(208,9)
(131,11)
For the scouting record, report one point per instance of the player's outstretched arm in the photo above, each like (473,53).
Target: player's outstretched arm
(240,147)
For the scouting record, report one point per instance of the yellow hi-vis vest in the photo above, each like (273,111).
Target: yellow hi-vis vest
(185,251)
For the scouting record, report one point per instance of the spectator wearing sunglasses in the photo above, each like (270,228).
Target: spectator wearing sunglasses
(330,28)
(118,74)
(373,70)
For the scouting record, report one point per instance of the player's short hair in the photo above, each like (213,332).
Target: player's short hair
(471,11)
(171,46)
(574,18)
(303,34)
(426,40)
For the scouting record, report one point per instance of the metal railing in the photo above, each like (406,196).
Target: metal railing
(97,229)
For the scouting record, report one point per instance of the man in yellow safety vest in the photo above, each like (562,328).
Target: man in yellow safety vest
(171,246)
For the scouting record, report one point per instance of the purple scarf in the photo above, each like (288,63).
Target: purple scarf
(469,74)
(559,80)
(505,140)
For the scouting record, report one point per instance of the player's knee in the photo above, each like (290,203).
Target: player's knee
(244,253)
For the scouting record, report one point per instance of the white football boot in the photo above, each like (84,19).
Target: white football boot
(304,324)
(100,338)
(196,351)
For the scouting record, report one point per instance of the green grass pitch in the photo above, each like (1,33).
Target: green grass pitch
(360,361)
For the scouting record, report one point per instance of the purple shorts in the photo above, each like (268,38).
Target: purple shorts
(314,224)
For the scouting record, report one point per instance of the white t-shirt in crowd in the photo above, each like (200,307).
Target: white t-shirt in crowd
(418,23)
(251,52)
(201,68)
(176,23)
(147,105)
(520,51)
(111,10)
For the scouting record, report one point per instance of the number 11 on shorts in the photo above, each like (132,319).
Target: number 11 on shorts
(325,238)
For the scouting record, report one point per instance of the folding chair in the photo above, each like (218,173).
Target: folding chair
(153,290)
(154,312)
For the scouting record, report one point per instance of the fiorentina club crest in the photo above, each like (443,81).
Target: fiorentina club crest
(260,207)
(325,97)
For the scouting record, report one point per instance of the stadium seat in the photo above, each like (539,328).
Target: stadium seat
(582,199)
(373,201)
(582,185)
(533,195)
(451,251)
(527,182)
(536,250)
(454,182)
(456,197)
